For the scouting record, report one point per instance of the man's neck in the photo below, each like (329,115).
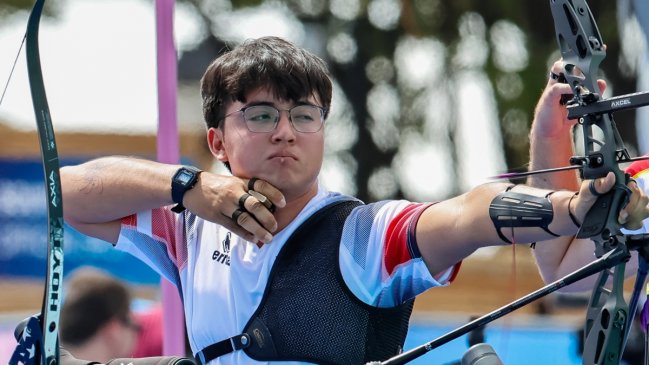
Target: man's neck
(294,205)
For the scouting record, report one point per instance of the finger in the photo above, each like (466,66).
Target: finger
(242,200)
(557,67)
(629,206)
(236,214)
(260,211)
(636,208)
(238,230)
(263,200)
(246,221)
(635,196)
(622,217)
(251,183)
(268,190)
(601,185)
(602,86)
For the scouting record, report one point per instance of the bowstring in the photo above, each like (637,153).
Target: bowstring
(13,67)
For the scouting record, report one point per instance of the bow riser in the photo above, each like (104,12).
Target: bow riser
(602,156)
(582,50)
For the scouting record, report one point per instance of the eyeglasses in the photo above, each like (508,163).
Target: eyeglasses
(304,118)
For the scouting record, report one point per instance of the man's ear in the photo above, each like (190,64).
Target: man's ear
(215,139)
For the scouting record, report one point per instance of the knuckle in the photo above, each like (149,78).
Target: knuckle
(261,185)
(256,205)
(244,219)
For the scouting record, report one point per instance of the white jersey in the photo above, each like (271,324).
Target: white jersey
(222,277)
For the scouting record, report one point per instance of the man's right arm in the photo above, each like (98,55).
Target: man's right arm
(98,193)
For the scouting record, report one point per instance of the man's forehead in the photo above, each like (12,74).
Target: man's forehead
(267,95)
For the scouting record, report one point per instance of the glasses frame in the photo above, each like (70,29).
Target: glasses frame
(322,110)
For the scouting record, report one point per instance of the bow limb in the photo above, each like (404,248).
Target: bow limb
(53,288)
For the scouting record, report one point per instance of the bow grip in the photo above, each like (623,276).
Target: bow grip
(602,218)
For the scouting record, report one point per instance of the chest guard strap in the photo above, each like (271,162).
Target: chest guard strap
(221,348)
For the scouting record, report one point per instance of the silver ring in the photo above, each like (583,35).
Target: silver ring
(263,200)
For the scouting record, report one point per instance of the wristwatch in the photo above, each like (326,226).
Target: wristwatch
(183,180)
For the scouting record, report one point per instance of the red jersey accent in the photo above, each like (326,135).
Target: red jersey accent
(396,250)
(637,167)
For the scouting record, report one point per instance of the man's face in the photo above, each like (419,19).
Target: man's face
(288,159)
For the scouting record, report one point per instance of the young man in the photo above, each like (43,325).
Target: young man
(272,267)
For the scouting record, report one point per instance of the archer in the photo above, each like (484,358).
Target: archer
(310,268)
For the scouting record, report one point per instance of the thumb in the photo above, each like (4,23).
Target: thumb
(589,191)
(599,186)
(602,86)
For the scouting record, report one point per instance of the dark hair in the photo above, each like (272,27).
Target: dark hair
(92,299)
(290,72)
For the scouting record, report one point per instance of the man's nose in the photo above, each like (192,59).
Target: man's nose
(284,128)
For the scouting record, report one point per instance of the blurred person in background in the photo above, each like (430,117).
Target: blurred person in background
(97,322)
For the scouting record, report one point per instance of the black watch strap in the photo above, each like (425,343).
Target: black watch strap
(183,180)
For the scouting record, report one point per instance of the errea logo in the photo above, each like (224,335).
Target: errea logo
(223,257)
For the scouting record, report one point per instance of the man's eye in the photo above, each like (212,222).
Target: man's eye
(303,118)
(259,117)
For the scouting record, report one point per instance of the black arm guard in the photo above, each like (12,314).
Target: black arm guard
(511,209)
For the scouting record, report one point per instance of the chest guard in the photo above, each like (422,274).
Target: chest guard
(307,312)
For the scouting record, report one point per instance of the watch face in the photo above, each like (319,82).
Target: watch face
(184,176)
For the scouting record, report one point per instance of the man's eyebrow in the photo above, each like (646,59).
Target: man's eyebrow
(255,103)
(261,102)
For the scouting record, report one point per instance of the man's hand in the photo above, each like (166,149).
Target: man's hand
(630,217)
(225,200)
(550,116)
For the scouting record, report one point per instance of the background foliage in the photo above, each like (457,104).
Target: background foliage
(401,67)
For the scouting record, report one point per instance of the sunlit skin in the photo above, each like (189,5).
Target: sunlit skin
(287,159)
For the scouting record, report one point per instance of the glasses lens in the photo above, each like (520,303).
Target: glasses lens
(261,118)
(306,118)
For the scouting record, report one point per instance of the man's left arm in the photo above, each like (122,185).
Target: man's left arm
(451,230)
